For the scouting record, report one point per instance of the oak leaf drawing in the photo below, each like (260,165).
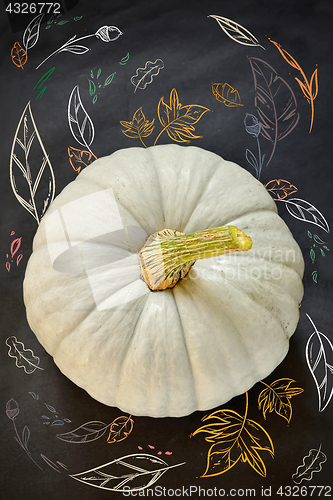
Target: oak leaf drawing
(223,92)
(276,397)
(18,55)
(280,188)
(235,438)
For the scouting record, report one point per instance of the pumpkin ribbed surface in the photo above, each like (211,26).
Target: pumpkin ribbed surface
(221,329)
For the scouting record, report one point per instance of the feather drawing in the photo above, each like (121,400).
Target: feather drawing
(235,438)
(138,471)
(144,76)
(275,103)
(237,32)
(303,210)
(35,186)
(311,463)
(25,358)
(79,121)
(319,357)
(31,33)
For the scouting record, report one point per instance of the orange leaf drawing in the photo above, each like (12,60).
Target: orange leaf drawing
(280,189)
(139,127)
(306,87)
(276,397)
(223,92)
(235,438)
(178,120)
(120,429)
(80,158)
(19,55)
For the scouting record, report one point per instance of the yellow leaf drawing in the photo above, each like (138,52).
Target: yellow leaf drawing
(223,92)
(276,397)
(178,120)
(235,438)
(139,127)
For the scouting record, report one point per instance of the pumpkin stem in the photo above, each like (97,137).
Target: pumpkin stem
(168,255)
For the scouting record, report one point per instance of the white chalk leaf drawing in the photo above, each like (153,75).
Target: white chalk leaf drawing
(79,121)
(34,187)
(303,210)
(144,76)
(237,32)
(25,358)
(85,433)
(31,33)
(319,357)
(311,463)
(139,471)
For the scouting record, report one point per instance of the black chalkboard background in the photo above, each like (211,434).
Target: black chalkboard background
(196,52)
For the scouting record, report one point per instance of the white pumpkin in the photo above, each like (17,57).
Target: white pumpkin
(222,328)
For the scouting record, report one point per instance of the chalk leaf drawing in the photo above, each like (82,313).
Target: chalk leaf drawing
(79,121)
(311,463)
(139,127)
(319,357)
(28,153)
(105,33)
(25,358)
(303,210)
(12,412)
(235,438)
(120,429)
(237,32)
(177,120)
(139,471)
(280,188)
(95,85)
(275,103)
(223,92)
(79,158)
(124,59)
(276,397)
(253,127)
(31,33)
(54,466)
(144,76)
(85,433)
(41,82)
(14,248)
(317,242)
(309,88)
(18,55)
